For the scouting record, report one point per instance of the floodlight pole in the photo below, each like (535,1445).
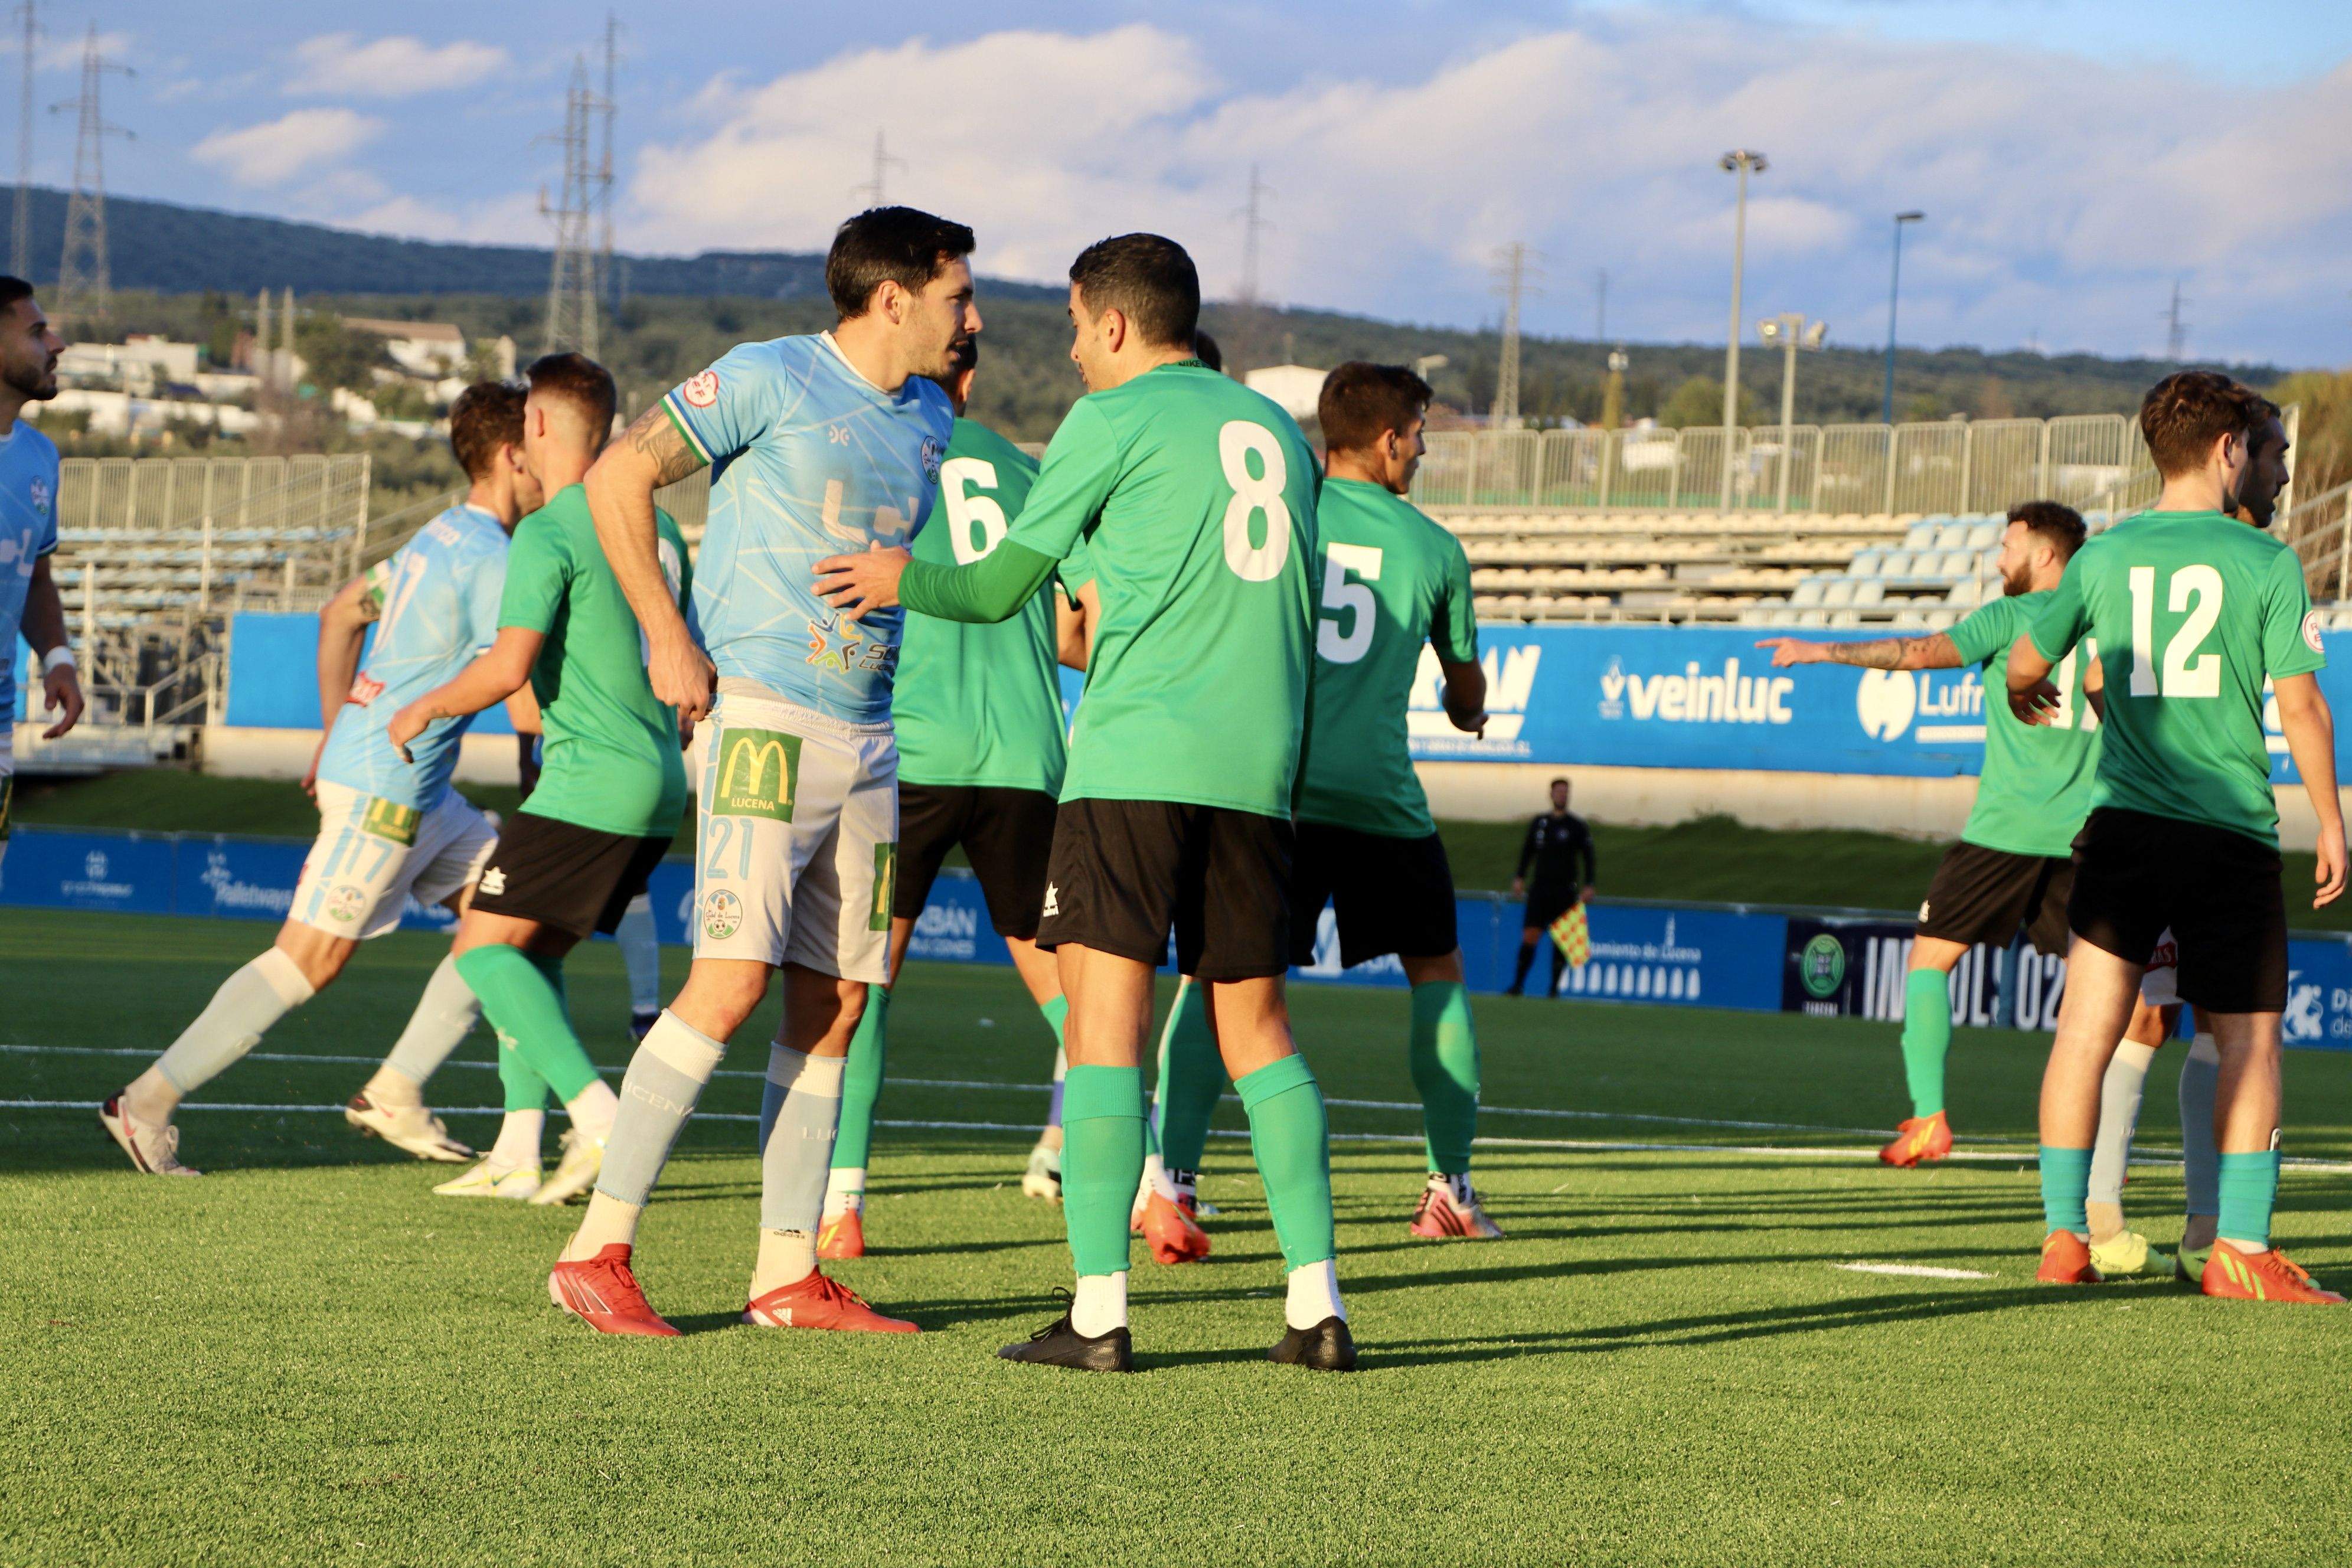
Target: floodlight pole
(1894,287)
(1740,161)
(1789,329)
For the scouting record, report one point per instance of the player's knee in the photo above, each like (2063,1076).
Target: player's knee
(319,956)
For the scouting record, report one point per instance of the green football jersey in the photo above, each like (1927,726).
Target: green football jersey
(1195,498)
(2192,612)
(2035,788)
(611,759)
(1392,581)
(979,704)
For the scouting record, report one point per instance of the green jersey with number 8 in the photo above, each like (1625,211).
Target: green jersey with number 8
(979,705)
(2035,789)
(1390,582)
(1195,498)
(2192,612)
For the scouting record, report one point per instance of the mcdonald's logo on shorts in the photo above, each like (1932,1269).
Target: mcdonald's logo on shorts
(390,819)
(759,771)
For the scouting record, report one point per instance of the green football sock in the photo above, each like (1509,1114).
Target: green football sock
(1926,1039)
(1445,1071)
(1057,1018)
(1191,1078)
(1102,1161)
(861,1081)
(522,996)
(525,1089)
(2065,1185)
(1291,1140)
(2248,1189)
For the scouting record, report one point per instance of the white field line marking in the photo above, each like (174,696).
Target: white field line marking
(1913,1270)
(957,1083)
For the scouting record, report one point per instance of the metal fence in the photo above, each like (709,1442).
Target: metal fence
(1953,466)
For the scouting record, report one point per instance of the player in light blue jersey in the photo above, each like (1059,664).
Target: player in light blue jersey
(28,528)
(818,445)
(388,832)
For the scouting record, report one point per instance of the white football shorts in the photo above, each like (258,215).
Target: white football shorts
(796,840)
(373,855)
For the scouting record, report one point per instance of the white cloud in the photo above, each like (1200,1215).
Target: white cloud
(277,150)
(504,220)
(2063,194)
(339,64)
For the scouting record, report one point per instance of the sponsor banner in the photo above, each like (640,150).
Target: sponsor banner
(1707,697)
(124,873)
(273,675)
(1857,968)
(1684,958)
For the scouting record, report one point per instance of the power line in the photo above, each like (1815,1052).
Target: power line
(571,283)
(873,193)
(1600,304)
(605,272)
(1254,227)
(84,278)
(2176,331)
(1513,265)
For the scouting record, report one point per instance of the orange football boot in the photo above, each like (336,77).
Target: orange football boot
(844,1236)
(2065,1260)
(2272,1276)
(1173,1234)
(602,1292)
(1919,1140)
(817,1302)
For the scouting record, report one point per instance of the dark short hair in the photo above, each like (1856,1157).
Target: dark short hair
(581,382)
(1147,279)
(13,290)
(2187,412)
(485,417)
(889,245)
(1205,350)
(2059,525)
(1561,780)
(1361,400)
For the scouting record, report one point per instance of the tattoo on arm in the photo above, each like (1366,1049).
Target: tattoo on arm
(654,438)
(1934,651)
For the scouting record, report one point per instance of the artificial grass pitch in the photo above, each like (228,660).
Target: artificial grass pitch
(305,1358)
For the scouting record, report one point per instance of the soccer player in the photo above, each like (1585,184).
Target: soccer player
(607,802)
(2192,611)
(818,442)
(388,828)
(1559,852)
(2014,866)
(29,526)
(1196,500)
(1390,581)
(979,716)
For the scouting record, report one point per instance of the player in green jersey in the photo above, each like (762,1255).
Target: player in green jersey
(2192,613)
(1195,498)
(611,788)
(2012,867)
(979,715)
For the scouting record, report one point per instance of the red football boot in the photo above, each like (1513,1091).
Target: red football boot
(602,1292)
(817,1302)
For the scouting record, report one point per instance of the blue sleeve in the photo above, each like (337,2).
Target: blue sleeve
(48,539)
(485,586)
(733,404)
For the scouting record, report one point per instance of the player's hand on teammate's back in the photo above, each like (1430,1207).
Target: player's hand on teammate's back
(63,688)
(867,581)
(2036,704)
(406,725)
(682,677)
(1787,651)
(2327,871)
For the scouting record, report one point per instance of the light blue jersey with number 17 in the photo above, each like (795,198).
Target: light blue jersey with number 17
(438,602)
(808,459)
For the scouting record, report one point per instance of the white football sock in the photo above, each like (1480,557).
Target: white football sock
(248,1002)
(1155,1176)
(445,1015)
(845,1191)
(640,954)
(592,1112)
(2119,1099)
(519,1139)
(787,1258)
(1100,1305)
(1314,1296)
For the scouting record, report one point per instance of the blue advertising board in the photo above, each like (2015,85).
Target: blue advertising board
(273,675)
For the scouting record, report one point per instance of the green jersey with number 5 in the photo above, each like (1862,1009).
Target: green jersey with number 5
(2035,788)
(1390,583)
(1195,498)
(979,704)
(2192,612)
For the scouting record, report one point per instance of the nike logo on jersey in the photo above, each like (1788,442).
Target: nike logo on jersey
(1052,903)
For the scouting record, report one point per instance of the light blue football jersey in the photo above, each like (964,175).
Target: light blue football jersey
(28,531)
(439,595)
(808,459)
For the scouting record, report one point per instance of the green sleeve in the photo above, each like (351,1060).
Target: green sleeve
(2062,621)
(1985,631)
(1078,570)
(2290,644)
(1080,468)
(1455,627)
(990,589)
(537,572)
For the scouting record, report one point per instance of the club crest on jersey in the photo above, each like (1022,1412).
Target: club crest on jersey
(701,391)
(931,458)
(2310,632)
(722,915)
(346,903)
(41,497)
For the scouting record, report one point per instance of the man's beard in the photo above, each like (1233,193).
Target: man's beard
(2017,584)
(36,384)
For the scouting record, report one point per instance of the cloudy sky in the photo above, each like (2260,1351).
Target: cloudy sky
(2074,157)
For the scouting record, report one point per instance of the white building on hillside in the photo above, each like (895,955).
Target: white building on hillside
(1295,387)
(427,349)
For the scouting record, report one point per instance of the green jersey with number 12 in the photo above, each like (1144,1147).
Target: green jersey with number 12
(979,704)
(2192,612)
(1390,583)
(1195,498)
(2035,788)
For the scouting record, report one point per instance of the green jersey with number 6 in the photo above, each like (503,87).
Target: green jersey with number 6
(979,704)
(1195,498)
(1389,582)
(2035,788)
(612,758)
(2192,612)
